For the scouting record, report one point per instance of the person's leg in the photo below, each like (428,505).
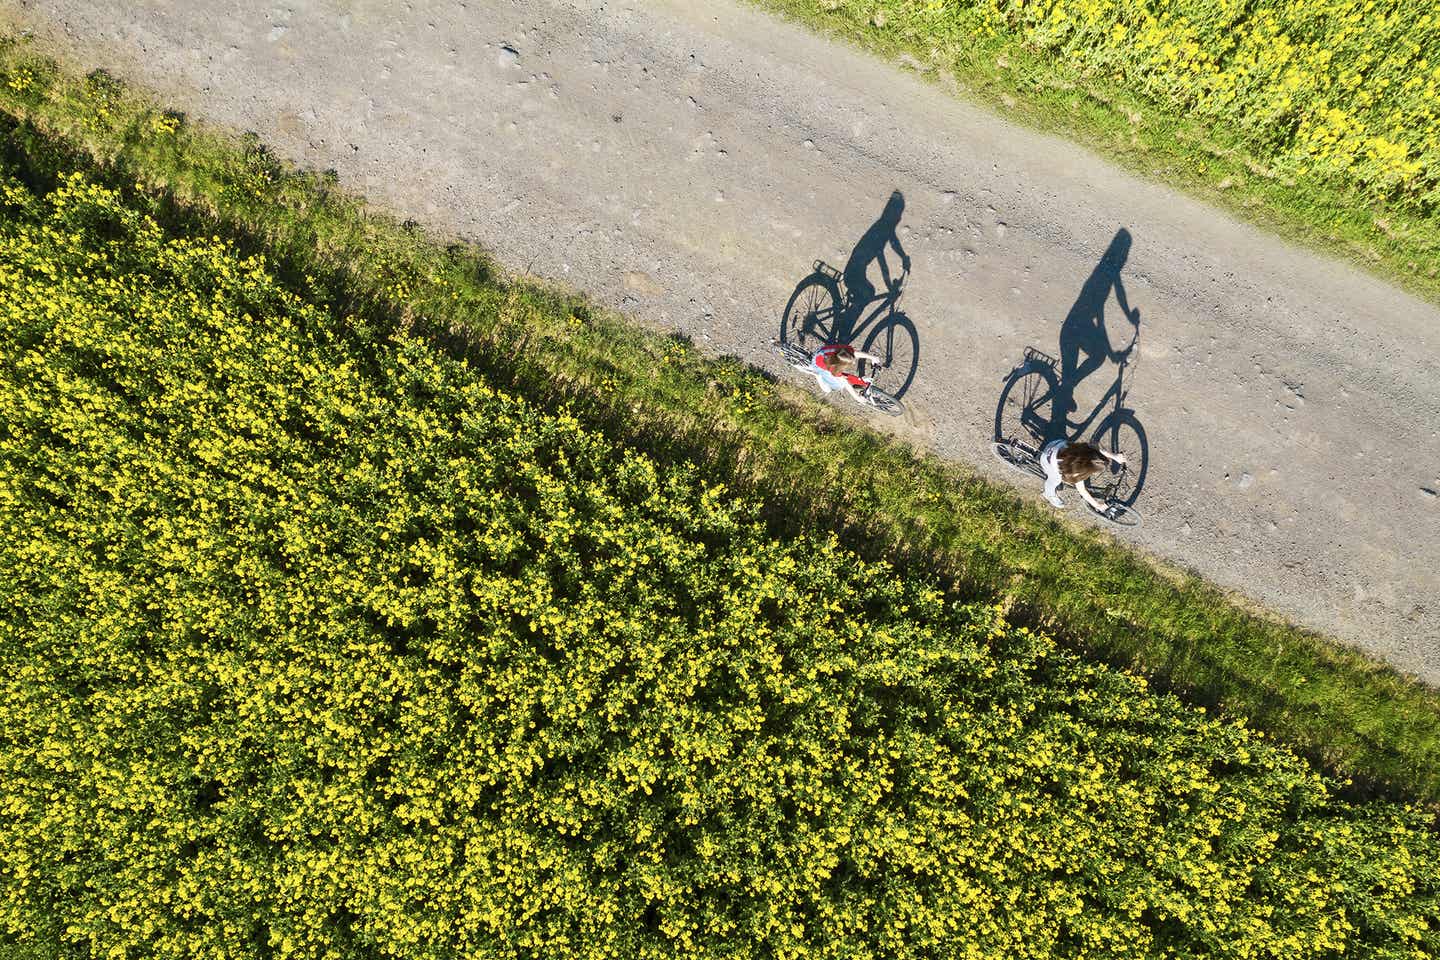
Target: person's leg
(1093,362)
(1052,484)
(1052,474)
(1063,403)
(859,291)
(1072,369)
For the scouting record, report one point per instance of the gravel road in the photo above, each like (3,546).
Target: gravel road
(686,160)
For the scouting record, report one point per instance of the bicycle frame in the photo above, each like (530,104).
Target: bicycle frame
(1117,390)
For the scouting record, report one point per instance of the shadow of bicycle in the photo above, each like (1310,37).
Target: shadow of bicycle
(842,306)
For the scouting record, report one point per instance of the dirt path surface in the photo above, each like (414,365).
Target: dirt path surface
(686,160)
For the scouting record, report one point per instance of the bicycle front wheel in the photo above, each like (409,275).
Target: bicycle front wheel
(883,401)
(810,316)
(897,344)
(1119,514)
(1122,433)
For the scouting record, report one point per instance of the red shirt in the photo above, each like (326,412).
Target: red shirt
(823,358)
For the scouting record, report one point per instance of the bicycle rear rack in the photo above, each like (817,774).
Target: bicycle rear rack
(821,267)
(1039,356)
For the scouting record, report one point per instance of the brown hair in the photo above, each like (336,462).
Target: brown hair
(840,360)
(1079,461)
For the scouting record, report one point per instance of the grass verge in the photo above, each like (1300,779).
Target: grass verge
(811,467)
(1209,160)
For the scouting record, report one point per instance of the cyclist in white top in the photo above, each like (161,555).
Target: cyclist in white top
(1074,463)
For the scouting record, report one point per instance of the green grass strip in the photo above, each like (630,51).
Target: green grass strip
(810,466)
(1315,121)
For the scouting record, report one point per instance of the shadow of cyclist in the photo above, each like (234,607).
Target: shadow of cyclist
(1085,344)
(818,313)
(1085,347)
(870,248)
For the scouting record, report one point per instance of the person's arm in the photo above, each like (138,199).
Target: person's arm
(885,270)
(1095,505)
(904,257)
(862,355)
(1132,315)
(1113,457)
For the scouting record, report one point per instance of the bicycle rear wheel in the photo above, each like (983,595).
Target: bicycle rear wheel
(810,317)
(883,401)
(1025,410)
(795,356)
(1017,457)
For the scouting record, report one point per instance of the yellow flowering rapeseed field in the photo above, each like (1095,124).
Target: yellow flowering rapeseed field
(313,645)
(1343,91)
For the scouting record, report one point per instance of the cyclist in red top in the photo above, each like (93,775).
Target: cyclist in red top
(834,367)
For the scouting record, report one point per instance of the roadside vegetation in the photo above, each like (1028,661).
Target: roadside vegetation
(1318,119)
(317,644)
(808,467)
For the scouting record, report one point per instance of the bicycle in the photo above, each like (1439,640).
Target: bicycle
(820,312)
(1022,457)
(870,395)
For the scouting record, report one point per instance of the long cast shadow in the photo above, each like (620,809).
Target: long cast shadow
(1038,403)
(870,248)
(843,306)
(1084,334)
